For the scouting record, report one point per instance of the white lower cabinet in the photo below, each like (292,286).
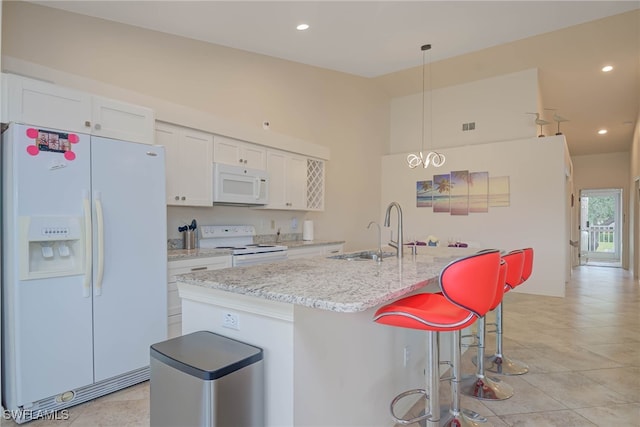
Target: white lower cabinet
(174,305)
(313,251)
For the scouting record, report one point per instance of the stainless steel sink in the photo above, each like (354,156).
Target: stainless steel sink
(363,256)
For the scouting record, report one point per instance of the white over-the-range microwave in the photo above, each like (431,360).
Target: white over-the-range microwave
(238,185)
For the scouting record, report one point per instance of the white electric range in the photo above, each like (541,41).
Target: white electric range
(239,239)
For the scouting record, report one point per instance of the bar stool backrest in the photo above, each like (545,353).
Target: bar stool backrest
(471,282)
(527,268)
(502,276)
(515,263)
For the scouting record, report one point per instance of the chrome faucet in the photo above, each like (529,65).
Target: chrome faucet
(379,253)
(398,242)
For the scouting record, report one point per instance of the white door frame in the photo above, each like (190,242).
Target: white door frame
(588,254)
(635,229)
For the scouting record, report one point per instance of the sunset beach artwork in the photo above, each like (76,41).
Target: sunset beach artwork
(499,191)
(424,194)
(463,192)
(441,193)
(459,193)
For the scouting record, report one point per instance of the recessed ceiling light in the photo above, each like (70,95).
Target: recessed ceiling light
(602,131)
(302,27)
(607,68)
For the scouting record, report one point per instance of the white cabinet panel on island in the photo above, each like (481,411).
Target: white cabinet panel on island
(45,104)
(326,361)
(189,157)
(313,250)
(182,266)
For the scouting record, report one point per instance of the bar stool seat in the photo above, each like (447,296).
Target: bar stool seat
(468,287)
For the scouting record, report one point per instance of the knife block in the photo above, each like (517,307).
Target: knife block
(189,239)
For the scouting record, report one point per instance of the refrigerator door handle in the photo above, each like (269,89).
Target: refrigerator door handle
(86,283)
(100,245)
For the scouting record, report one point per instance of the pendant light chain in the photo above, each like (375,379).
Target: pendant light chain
(432,157)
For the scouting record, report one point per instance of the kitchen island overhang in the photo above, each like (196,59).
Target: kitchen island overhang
(326,361)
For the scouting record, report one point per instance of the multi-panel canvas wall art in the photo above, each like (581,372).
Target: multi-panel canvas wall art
(463,192)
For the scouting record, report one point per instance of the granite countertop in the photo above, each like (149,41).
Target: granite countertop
(292,244)
(180,254)
(331,284)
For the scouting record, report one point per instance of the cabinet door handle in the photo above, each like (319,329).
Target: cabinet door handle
(177,197)
(184,198)
(241,161)
(98,126)
(198,268)
(87,123)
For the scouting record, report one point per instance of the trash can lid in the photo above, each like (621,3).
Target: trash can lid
(206,355)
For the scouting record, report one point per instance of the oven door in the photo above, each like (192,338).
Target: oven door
(259,258)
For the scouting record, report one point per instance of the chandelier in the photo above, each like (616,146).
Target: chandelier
(432,157)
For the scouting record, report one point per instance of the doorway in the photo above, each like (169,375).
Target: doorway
(601,227)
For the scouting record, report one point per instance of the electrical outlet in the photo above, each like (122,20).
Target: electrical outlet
(273,224)
(406,356)
(468,126)
(231,321)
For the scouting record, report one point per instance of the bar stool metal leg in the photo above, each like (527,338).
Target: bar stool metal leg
(478,385)
(499,363)
(460,417)
(431,393)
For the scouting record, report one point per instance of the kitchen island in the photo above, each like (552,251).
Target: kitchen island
(326,362)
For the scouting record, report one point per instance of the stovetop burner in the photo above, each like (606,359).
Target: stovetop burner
(237,238)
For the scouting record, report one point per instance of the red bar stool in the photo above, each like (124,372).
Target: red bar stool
(499,363)
(468,288)
(479,385)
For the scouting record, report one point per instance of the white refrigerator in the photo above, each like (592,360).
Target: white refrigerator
(84,268)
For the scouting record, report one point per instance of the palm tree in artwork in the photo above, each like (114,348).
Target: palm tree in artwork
(462,176)
(426,186)
(444,185)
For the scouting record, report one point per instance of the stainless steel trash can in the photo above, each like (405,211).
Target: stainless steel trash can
(206,379)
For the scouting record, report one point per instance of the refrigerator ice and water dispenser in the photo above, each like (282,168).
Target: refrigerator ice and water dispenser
(51,246)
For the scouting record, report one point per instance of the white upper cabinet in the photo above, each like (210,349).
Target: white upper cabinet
(287,181)
(44,104)
(233,152)
(119,120)
(39,103)
(189,155)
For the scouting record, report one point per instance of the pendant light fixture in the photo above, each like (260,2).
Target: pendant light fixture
(432,157)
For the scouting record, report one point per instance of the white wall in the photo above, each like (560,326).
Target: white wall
(346,115)
(536,216)
(497,105)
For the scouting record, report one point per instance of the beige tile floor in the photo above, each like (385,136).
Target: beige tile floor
(583,352)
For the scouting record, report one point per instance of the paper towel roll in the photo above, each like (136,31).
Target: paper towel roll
(307,230)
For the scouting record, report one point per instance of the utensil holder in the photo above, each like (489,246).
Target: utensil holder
(189,238)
